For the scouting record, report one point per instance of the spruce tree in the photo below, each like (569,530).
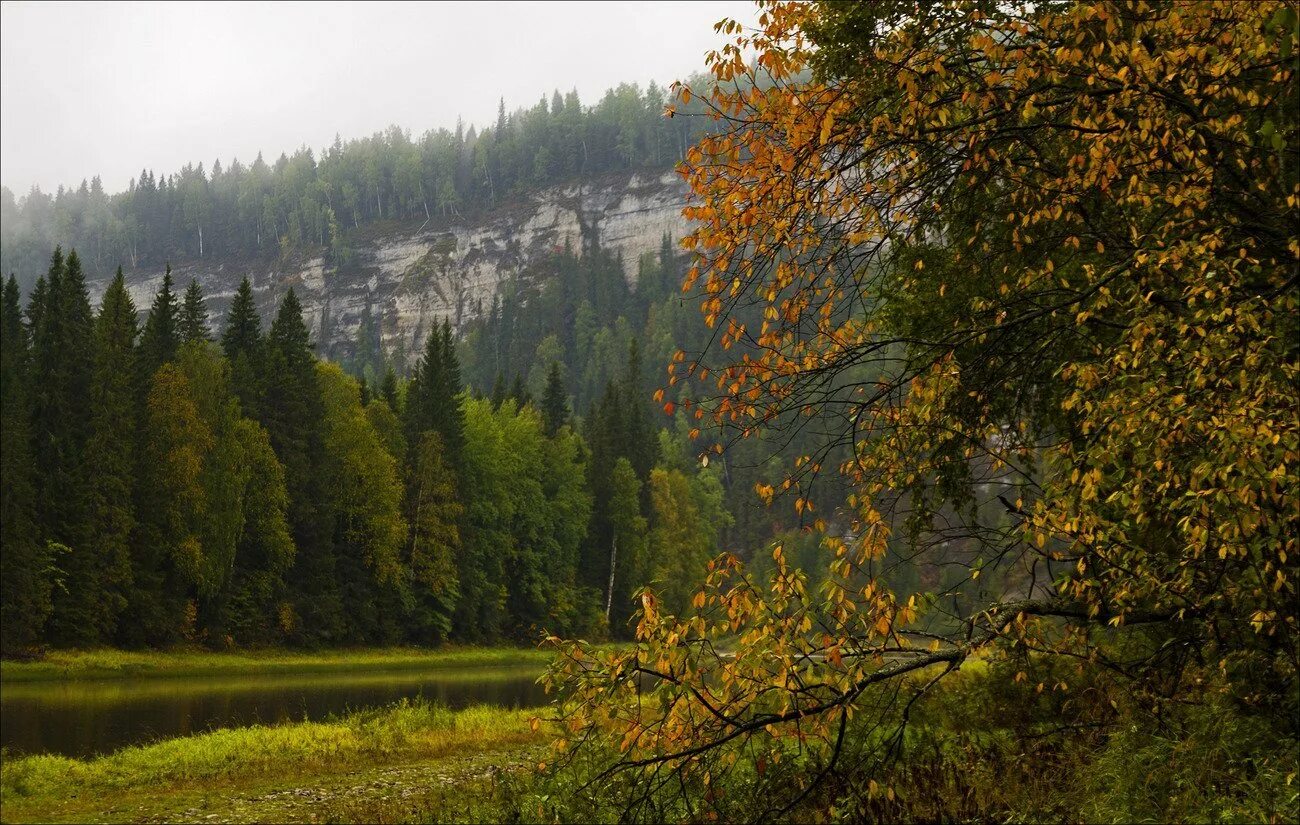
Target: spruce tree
(498,396)
(36,304)
(627,562)
(667,266)
(194,315)
(63,364)
(433,400)
(111,453)
(25,575)
(243,332)
(388,390)
(607,437)
(555,402)
(293,412)
(161,336)
(519,393)
(642,445)
(245,347)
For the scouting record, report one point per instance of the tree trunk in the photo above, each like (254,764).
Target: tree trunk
(200,241)
(613,561)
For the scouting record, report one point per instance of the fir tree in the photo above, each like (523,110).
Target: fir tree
(63,361)
(293,413)
(433,399)
(111,453)
(388,390)
(25,579)
(245,347)
(607,437)
(627,536)
(160,338)
(555,403)
(36,303)
(498,396)
(642,445)
(194,315)
(243,332)
(519,393)
(368,361)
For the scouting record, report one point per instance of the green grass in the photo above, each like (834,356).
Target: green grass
(167,778)
(109,663)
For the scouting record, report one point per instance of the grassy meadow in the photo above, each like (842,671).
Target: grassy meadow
(272,773)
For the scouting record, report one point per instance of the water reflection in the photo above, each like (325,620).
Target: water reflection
(85,718)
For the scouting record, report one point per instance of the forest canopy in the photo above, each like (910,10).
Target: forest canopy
(1034,267)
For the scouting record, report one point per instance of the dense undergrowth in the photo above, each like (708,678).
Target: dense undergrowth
(1057,744)
(982,745)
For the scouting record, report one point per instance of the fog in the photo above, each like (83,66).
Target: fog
(110,89)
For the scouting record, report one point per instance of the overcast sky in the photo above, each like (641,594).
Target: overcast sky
(111,88)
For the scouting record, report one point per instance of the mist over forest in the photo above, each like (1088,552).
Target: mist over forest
(894,420)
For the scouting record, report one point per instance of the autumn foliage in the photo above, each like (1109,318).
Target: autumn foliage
(1039,263)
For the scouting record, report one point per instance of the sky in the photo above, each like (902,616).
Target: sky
(113,88)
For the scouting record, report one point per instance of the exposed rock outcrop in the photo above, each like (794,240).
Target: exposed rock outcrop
(414,276)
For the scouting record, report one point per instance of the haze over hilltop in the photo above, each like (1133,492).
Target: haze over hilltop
(292,75)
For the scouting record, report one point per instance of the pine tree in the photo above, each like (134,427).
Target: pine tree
(160,338)
(63,360)
(194,315)
(555,403)
(25,575)
(111,453)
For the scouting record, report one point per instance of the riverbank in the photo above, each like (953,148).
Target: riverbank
(412,754)
(112,664)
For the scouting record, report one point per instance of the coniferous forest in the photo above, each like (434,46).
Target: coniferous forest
(317,198)
(211,480)
(945,470)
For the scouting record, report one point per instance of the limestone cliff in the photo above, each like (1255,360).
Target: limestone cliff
(414,276)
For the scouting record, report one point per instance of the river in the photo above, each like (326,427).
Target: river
(85,718)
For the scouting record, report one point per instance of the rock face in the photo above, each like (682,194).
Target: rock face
(413,276)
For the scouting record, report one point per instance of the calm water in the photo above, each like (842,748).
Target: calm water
(98,716)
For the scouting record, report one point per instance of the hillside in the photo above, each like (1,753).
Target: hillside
(416,274)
